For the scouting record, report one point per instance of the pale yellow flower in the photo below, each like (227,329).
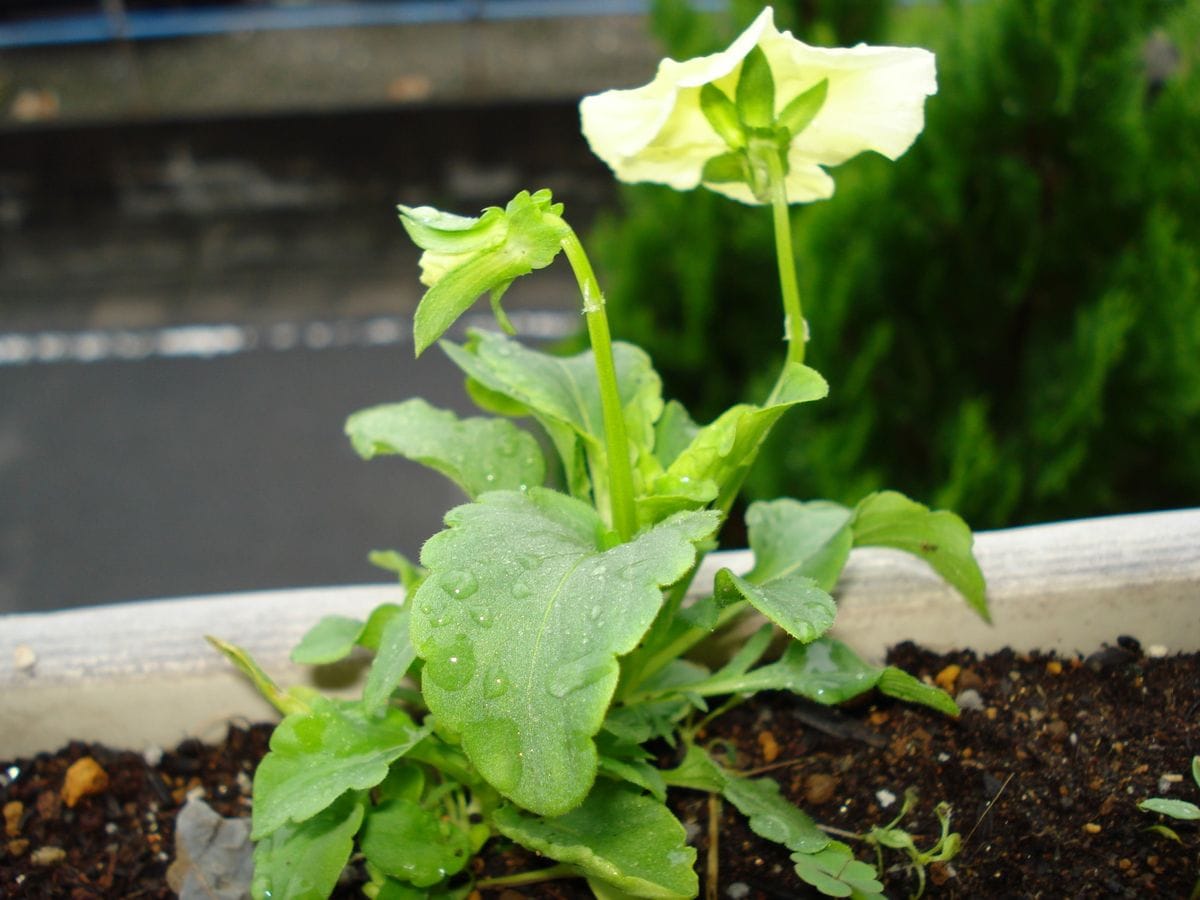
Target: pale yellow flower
(658,133)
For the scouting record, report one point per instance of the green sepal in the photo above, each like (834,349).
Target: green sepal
(726,168)
(755,96)
(722,115)
(446,233)
(303,860)
(618,836)
(802,109)
(941,538)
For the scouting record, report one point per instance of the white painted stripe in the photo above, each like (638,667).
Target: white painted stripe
(226,339)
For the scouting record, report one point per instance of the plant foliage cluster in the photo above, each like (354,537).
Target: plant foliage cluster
(1011,312)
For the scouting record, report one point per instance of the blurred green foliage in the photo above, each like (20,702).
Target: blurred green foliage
(1009,316)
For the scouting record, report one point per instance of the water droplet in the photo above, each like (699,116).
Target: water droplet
(679,858)
(594,613)
(452,666)
(482,616)
(597,571)
(489,477)
(772,828)
(496,685)
(520,589)
(527,560)
(459,583)
(581,673)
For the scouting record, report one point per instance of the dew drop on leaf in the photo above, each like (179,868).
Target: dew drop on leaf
(519,589)
(495,685)
(594,613)
(498,754)
(452,665)
(482,617)
(581,673)
(459,583)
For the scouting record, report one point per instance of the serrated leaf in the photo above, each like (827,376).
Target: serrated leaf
(802,109)
(393,659)
(722,451)
(318,755)
(794,603)
(403,840)
(520,624)
(942,539)
(756,91)
(793,538)
(1176,809)
(329,640)
(563,394)
(618,836)
(303,860)
(771,816)
(477,454)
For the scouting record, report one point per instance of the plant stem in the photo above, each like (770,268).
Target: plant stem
(562,870)
(620,471)
(794,329)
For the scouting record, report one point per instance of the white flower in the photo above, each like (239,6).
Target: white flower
(658,132)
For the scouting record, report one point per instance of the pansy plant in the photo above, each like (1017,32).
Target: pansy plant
(535,677)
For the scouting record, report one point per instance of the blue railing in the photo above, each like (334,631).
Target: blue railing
(118,23)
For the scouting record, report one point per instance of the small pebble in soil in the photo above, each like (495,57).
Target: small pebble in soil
(969,699)
(83,779)
(885,797)
(12,818)
(819,788)
(738,890)
(47,856)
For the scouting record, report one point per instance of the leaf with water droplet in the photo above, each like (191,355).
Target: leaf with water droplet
(618,836)
(318,755)
(563,394)
(794,603)
(559,687)
(305,859)
(478,454)
(793,538)
(722,451)
(411,843)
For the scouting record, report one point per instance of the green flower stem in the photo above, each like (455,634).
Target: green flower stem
(562,870)
(793,311)
(620,471)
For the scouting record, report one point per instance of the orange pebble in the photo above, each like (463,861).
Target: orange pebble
(770,747)
(947,677)
(84,778)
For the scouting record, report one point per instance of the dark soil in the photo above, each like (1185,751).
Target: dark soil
(1043,778)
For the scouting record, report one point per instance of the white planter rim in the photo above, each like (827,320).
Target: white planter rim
(141,674)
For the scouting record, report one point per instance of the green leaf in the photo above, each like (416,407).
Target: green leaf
(520,623)
(771,816)
(1176,809)
(722,115)
(750,652)
(329,640)
(794,603)
(793,538)
(942,539)
(803,108)
(403,840)
(562,393)
(303,861)
(647,720)
(1196,770)
(636,772)
(392,661)
(722,451)
(477,454)
(392,561)
(828,672)
(836,873)
(466,258)
(317,756)
(756,91)
(617,836)
(377,622)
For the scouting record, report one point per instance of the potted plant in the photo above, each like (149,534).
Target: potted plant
(554,633)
